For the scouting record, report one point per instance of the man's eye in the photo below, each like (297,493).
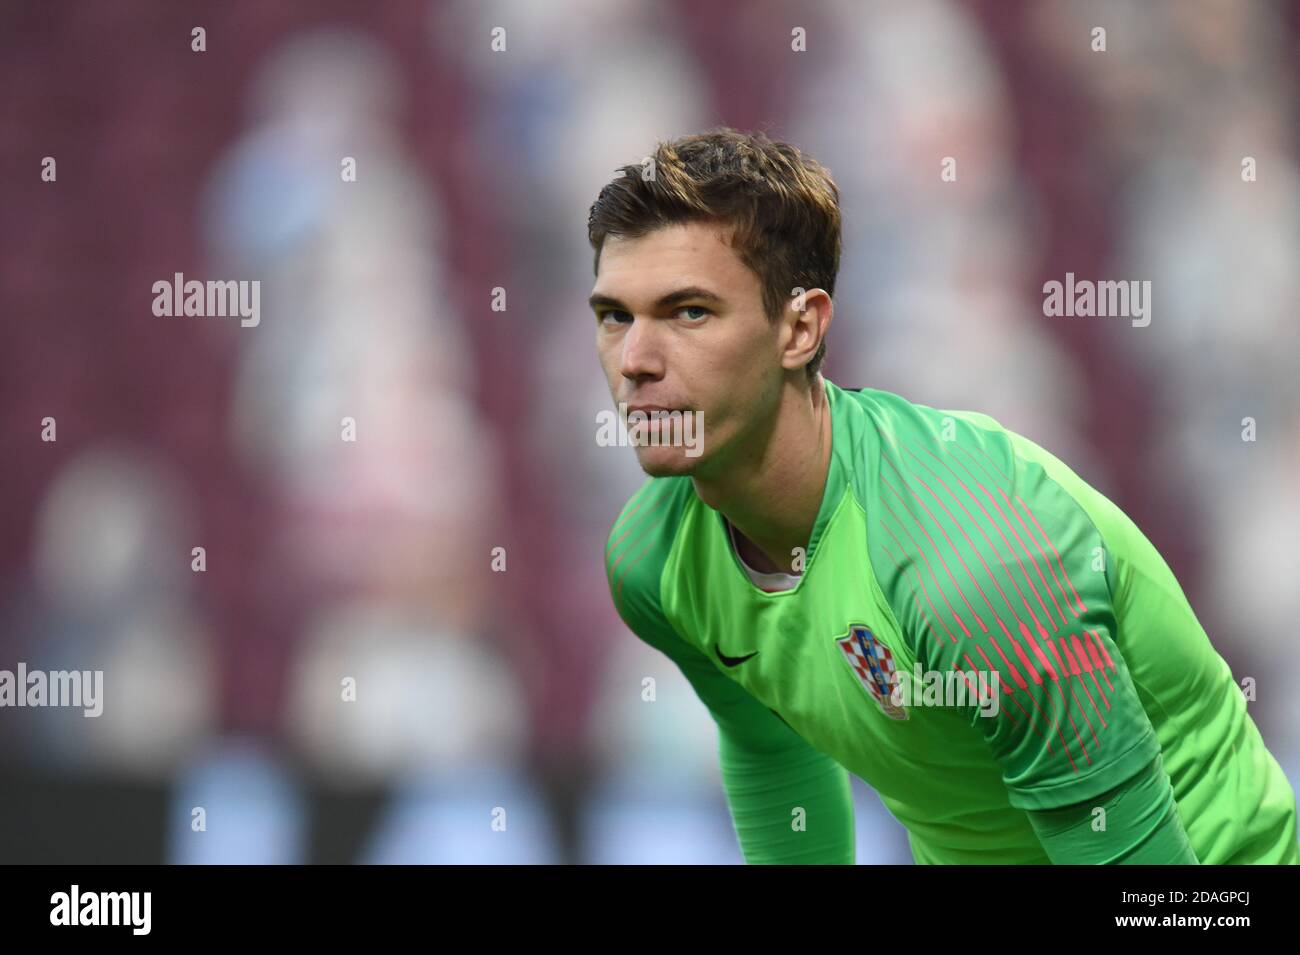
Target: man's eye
(613,316)
(686,310)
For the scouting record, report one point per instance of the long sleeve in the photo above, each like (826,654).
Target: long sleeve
(1141,826)
(789,802)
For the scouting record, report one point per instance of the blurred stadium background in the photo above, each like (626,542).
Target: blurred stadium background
(521,689)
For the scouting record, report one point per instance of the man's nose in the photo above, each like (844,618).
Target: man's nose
(642,350)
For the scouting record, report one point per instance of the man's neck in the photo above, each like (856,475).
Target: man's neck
(772,495)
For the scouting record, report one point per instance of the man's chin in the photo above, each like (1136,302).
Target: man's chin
(667,461)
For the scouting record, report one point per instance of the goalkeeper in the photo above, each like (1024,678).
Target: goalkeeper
(852,582)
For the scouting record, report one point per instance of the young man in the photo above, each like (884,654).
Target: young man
(824,554)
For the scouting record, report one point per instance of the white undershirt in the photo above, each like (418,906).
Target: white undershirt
(768,582)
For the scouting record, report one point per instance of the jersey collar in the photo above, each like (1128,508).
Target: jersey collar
(836,482)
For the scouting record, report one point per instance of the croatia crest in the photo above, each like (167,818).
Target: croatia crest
(874,666)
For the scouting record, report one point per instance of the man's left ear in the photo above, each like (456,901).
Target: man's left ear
(808,313)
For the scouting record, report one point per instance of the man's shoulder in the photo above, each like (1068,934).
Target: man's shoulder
(897,445)
(970,453)
(898,418)
(973,527)
(642,536)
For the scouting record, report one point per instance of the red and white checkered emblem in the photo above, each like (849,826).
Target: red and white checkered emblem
(874,666)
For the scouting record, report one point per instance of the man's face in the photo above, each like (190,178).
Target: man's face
(681,327)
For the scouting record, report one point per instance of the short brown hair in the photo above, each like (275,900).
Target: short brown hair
(783,205)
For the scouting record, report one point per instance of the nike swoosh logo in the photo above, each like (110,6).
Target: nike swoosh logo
(733,661)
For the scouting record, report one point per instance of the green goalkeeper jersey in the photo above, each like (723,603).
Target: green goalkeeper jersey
(978,634)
